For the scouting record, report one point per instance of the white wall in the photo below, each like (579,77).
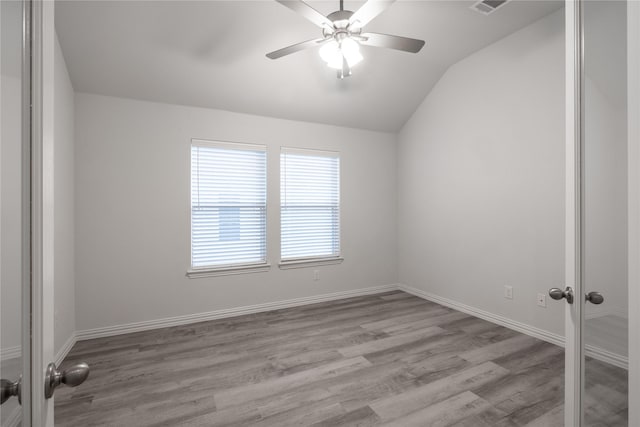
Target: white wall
(132,211)
(481,179)
(64,187)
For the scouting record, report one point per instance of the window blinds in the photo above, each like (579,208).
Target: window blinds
(309,204)
(228,204)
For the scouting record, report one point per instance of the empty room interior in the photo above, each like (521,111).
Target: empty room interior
(327,213)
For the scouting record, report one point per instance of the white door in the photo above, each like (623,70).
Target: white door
(15,253)
(597,222)
(29,378)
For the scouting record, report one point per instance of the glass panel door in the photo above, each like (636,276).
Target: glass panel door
(604,213)
(14,214)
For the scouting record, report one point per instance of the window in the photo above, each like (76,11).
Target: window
(309,205)
(228,205)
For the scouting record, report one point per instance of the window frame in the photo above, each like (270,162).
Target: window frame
(236,268)
(317,260)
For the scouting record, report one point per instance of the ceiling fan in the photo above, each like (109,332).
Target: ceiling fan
(342,34)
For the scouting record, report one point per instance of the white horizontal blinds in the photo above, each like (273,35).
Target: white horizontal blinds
(228,204)
(309,204)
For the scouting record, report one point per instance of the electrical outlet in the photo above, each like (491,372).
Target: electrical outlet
(316,275)
(542,300)
(508,292)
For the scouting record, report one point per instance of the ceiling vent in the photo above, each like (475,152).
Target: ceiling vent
(487,7)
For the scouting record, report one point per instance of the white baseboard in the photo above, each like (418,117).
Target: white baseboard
(485,315)
(64,350)
(220,314)
(607,356)
(14,352)
(595,352)
(547,336)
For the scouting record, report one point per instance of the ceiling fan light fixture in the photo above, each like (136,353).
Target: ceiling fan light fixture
(333,53)
(351,51)
(335,63)
(342,34)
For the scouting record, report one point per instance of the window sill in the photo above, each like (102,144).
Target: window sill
(287,265)
(227,271)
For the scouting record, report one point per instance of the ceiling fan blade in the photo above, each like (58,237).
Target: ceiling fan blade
(308,12)
(392,42)
(295,48)
(368,11)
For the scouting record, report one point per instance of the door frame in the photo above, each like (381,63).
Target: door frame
(633,150)
(574,369)
(26,214)
(574,116)
(36,210)
(41,186)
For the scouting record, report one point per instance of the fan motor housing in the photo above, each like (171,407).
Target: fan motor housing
(340,18)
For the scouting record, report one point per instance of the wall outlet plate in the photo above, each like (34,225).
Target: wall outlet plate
(508,292)
(316,275)
(542,300)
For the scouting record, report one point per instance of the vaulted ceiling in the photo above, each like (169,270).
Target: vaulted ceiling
(212,54)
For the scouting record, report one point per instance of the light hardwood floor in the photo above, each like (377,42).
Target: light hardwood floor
(388,359)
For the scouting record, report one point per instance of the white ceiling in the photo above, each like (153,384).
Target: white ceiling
(212,54)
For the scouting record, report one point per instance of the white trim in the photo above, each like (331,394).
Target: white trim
(633,150)
(302,263)
(195,142)
(591,351)
(596,353)
(221,314)
(10,352)
(607,356)
(41,13)
(485,315)
(65,349)
(309,152)
(227,271)
(574,372)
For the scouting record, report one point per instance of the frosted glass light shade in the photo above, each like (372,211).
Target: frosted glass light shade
(351,51)
(333,53)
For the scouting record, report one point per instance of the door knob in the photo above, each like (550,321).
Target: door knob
(595,297)
(10,388)
(72,376)
(558,294)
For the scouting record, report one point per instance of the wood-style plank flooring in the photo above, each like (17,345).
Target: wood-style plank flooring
(387,359)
